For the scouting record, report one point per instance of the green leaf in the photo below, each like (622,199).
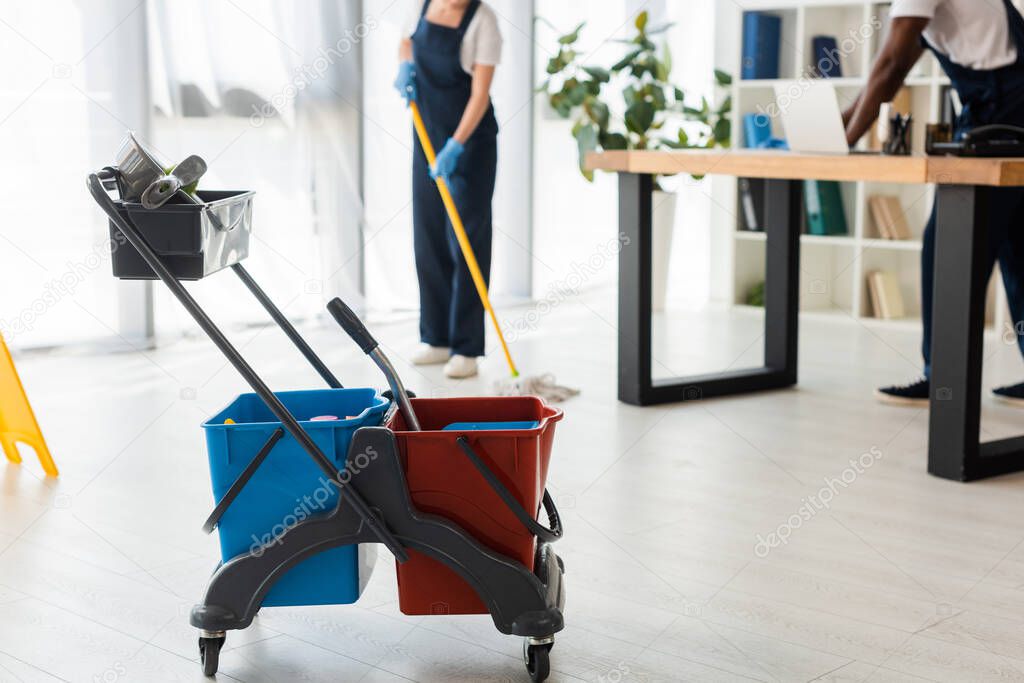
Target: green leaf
(640,116)
(626,61)
(661,70)
(723,78)
(614,141)
(573,36)
(543,87)
(575,91)
(658,98)
(726,106)
(684,139)
(630,94)
(598,74)
(722,129)
(559,62)
(560,103)
(649,64)
(586,142)
(598,112)
(680,95)
(666,64)
(641,21)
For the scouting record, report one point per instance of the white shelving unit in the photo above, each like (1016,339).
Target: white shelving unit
(834,268)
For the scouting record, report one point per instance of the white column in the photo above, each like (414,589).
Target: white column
(128,86)
(513,102)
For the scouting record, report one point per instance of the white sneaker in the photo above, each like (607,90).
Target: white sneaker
(431,355)
(460,367)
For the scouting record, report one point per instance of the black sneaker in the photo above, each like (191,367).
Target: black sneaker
(915,394)
(1012,395)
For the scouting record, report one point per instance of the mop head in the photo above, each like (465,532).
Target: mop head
(543,386)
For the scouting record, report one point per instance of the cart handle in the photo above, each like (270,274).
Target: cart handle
(236,487)
(554,519)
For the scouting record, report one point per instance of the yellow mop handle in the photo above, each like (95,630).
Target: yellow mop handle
(460,232)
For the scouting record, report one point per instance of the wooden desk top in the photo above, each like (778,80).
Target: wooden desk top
(793,166)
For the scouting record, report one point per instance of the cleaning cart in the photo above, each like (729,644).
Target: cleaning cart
(362,461)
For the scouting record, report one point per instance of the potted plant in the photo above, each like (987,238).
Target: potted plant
(653,114)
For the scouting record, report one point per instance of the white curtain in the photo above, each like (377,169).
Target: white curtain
(70,87)
(269,94)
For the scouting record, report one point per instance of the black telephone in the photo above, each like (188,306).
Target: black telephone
(998,140)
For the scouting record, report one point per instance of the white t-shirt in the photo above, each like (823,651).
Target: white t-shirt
(482,42)
(973,33)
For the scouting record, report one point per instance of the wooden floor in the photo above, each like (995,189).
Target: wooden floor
(901,577)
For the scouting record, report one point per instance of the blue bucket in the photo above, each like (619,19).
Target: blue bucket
(289,487)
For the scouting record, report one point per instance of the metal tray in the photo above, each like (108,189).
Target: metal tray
(193,240)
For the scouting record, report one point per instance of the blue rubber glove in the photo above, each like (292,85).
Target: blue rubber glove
(448,160)
(405,83)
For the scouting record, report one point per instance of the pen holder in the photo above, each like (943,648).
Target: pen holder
(900,136)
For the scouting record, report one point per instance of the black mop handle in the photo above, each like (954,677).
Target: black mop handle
(355,328)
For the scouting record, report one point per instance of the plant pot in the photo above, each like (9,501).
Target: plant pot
(662,226)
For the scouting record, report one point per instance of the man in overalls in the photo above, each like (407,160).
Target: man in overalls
(449,53)
(980,46)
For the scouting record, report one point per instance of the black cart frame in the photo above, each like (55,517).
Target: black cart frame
(374,505)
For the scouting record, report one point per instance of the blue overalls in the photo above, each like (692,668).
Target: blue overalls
(988,97)
(451,314)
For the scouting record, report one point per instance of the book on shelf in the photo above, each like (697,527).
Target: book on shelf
(827,58)
(751,192)
(757,129)
(950,105)
(762,38)
(823,202)
(886,297)
(890,220)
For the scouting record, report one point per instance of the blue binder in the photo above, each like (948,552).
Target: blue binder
(757,130)
(827,59)
(762,35)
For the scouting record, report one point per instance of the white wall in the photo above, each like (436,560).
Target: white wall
(573,219)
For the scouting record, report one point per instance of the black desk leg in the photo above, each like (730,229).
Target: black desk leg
(958,326)
(782,218)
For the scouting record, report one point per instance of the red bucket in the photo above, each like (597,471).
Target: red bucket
(442,481)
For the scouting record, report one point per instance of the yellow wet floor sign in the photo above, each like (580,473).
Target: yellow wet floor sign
(17,421)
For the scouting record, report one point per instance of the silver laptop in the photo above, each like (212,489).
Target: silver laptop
(811,117)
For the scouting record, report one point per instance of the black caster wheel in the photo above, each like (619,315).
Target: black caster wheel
(209,653)
(538,659)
